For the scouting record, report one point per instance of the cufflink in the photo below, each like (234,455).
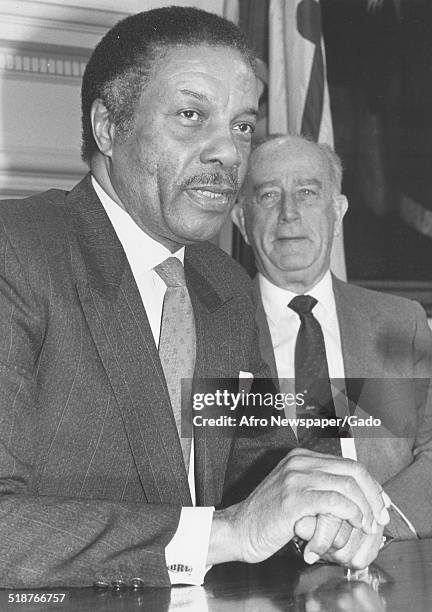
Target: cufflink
(118,583)
(297,546)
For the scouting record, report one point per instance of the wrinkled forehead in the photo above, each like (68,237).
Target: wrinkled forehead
(277,160)
(216,74)
(199,58)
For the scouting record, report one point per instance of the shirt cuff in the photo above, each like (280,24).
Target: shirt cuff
(186,554)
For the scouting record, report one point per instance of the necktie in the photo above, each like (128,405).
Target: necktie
(177,344)
(312,379)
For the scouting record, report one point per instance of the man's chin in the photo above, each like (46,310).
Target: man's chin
(293,263)
(197,233)
(202,224)
(292,256)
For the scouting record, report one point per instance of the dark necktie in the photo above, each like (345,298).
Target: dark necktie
(312,379)
(177,344)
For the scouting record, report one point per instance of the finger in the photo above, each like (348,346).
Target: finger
(367,551)
(360,550)
(331,502)
(342,536)
(305,527)
(341,466)
(344,555)
(373,492)
(326,530)
(348,487)
(386,499)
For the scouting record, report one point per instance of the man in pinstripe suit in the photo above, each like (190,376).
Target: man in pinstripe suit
(93,487)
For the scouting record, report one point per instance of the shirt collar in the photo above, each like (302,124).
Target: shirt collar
(275,299)
(142,251)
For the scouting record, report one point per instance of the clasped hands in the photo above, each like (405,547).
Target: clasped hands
(332,503)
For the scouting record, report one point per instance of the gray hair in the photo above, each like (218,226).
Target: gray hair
(333,160)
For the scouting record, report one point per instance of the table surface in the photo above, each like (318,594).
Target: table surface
(400,581)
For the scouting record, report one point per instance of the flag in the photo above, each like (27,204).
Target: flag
(299,101)
(231,10)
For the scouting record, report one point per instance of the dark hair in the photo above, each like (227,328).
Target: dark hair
(122,61)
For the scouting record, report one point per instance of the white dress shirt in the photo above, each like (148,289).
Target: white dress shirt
(189,546)
(284,325)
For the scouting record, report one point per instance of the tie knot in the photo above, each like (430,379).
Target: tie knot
(171,272)
(303,304)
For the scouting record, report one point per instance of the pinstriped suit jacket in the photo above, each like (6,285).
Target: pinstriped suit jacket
(387,347)
(91,472)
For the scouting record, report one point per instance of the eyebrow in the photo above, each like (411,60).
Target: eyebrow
(311,181)
(195,94)
(257,189)
(205,100)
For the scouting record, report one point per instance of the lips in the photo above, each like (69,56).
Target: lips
(209,197)
(214,195)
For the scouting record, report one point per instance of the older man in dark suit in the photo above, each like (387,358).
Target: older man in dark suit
(100,321)
(379,345)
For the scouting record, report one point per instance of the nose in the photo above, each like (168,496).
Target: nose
(221,148)
(288,208)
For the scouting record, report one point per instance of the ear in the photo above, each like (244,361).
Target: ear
(340,206)
(103,128)
(238,218)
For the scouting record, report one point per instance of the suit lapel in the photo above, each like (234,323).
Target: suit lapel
(212,361)
(265,341)
(358,337)
(118,323)
(354,334)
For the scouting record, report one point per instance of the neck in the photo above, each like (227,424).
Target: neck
(99,170)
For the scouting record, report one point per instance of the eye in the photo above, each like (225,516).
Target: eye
(268,197)
(306,192)
(190,115)
(244,128)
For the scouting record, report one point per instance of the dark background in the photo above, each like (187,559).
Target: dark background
(380,78)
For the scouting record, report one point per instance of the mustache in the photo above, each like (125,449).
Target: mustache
(227,178)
